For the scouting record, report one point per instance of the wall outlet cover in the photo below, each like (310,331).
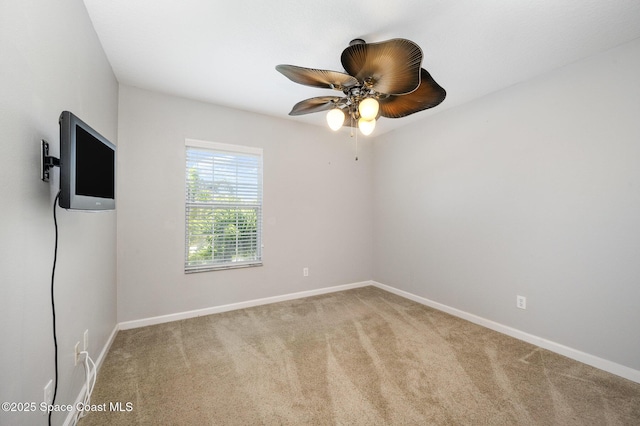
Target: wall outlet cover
(521,302)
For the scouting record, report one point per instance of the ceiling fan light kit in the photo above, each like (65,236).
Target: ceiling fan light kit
(335,118)
(369,108)
(382,79)
(366,126)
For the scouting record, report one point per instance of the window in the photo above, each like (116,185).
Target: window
(223,209)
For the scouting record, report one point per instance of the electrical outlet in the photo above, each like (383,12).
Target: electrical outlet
(305,272)
(44,153)
(521,302)
(77,354)
(85,345)
(48,393)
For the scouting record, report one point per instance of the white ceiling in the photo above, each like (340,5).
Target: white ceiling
(225,52)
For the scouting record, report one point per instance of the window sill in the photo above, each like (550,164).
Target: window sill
(221,267)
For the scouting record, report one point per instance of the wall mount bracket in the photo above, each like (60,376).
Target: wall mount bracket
(46,161)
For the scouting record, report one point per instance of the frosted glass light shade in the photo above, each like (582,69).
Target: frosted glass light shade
(366,126)
(335,118)
(368,108)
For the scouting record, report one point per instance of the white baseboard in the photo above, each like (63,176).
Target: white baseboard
(126,325)
(69,420)
(592,360)
(107,346)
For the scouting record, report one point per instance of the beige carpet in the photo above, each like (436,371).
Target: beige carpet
(357,357)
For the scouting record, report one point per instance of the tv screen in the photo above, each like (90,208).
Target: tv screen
(87,166)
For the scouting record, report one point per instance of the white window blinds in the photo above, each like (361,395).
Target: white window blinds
(223,207)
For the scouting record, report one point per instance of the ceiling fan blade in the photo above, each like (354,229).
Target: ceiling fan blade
(317,78)
(308,106)
(427,95)
(392,67)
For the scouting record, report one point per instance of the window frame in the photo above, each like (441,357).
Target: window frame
(232,149)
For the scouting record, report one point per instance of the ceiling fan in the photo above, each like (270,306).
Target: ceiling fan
(382,79)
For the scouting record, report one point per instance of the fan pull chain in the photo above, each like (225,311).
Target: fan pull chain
(351,127)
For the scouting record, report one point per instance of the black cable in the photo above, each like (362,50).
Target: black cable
(53,305)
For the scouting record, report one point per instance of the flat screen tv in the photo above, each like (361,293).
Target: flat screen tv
(87,166)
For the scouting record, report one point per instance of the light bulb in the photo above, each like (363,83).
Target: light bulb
(335,118)
(366,126)
(368,108)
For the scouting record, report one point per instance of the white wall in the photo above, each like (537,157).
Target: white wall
(50,61)
(531,191)
(317,203)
